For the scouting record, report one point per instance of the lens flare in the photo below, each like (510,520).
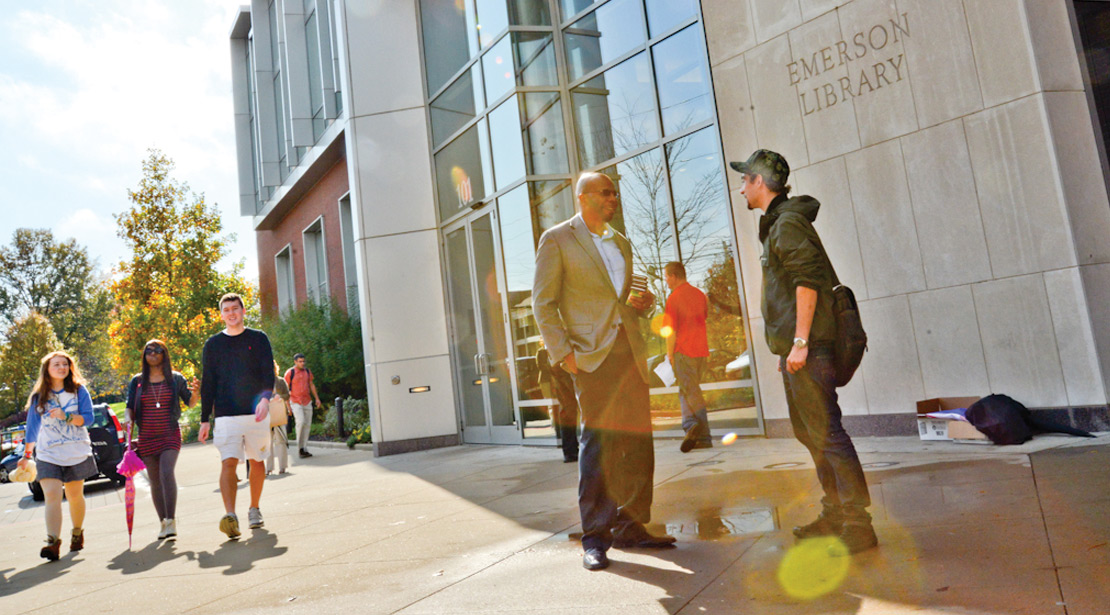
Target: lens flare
(662,326)
(814,567)
(729,438)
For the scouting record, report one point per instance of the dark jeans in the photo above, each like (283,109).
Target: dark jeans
(815,416)
(616,464)
(687,371)
(566,415)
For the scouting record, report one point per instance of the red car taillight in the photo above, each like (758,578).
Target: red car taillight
(120,433)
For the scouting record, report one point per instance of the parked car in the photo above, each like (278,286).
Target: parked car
(8,463)
(108,443)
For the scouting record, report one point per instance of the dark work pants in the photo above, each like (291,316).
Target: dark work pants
(616,463)
(566,415)
(687,371)
(815,416)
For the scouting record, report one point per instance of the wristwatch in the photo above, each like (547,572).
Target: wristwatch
(800,342)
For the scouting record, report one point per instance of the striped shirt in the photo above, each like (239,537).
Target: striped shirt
(158,430)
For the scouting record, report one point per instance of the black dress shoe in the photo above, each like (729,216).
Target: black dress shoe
(595,559)
(642,539)
(570,460)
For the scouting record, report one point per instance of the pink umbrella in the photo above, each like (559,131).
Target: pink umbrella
(129,467)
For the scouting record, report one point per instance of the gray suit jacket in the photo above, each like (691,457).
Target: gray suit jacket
(576,307)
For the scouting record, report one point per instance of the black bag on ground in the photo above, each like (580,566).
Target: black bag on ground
(1006,421)
(1001,418)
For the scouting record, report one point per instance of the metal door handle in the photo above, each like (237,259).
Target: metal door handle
(478,364)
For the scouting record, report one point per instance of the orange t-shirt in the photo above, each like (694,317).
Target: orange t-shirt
(686,311)
(299,379)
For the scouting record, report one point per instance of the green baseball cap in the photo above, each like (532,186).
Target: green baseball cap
(771,165)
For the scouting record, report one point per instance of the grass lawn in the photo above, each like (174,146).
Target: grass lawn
(118,409)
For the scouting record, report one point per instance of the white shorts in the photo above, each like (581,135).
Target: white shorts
(239,436)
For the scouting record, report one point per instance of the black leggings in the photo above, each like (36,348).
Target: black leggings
(163,485)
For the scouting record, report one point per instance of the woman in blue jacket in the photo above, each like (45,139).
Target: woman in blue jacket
(58,411)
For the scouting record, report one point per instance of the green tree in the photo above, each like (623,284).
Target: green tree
(28,340)
(170,286)
(59,281)
(331,341)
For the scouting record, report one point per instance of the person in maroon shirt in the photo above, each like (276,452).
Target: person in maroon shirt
(154,400)
(687,349)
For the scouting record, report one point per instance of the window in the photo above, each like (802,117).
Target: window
(315,76)
(1094,32)
(350,271)
(316,261)
(283,266)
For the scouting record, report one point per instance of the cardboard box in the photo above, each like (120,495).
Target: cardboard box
(944,429)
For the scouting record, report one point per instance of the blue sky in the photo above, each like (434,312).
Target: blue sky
(86,87)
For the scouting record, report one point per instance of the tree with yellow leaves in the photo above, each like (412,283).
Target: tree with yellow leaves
(170,286)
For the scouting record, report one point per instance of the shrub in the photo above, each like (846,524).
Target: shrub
(359,436)
(356,415)
(330,339)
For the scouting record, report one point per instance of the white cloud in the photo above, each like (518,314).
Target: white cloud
(88,87)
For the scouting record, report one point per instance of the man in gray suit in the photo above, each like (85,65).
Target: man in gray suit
(591,327)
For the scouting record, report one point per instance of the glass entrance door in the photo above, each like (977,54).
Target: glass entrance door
(481,354)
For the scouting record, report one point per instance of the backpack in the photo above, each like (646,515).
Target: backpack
(851,339)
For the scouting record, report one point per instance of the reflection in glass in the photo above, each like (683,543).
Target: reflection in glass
(525,213)
(494,361)
(456,106)
(535,58)
(615,112)
(522,58)
(666,14)
(682,80)
(448,39)
(507,144)
(645,218)
(464,342)
(544,140)
(604,35)
(497,66)
(463,173)
(492,19)
(705,241)
(529,13)
(573,7)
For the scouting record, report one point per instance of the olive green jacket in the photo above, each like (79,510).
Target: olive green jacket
(793,256)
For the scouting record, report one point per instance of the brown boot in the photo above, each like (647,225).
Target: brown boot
(53,549)
(77,540)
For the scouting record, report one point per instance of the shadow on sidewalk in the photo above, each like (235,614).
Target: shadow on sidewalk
(239,556)
(43,573)
(155,553)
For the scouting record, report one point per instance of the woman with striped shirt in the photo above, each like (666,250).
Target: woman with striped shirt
(154,400)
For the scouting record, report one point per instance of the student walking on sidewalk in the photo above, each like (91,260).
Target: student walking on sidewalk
(300,381)
(154,400)
(57,414)
(236,387)
(279,421)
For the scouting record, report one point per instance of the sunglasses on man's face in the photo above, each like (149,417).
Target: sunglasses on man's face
(154,350)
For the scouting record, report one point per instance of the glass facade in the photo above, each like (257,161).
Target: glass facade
(524,96)
(318,68)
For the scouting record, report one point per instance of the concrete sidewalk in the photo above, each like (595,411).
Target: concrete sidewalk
(480,529)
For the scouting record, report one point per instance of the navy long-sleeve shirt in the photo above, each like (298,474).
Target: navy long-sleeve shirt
(238,372)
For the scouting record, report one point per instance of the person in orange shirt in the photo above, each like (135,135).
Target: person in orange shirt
(687,349)
(299,380)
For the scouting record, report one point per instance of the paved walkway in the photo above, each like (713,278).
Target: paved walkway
(474,529)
